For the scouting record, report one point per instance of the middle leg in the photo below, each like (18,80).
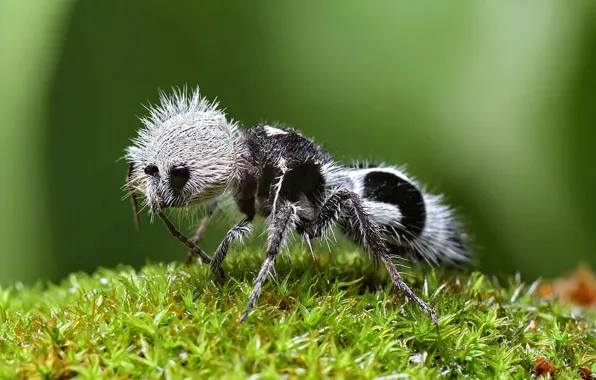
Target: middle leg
(283,222)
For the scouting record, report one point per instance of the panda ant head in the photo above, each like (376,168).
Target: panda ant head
(185,154)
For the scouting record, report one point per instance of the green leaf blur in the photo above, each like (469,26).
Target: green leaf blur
(491,103)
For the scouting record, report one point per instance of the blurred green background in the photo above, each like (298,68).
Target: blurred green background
(492,103)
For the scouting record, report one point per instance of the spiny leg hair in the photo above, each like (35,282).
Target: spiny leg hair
(201,230)
(371,240)
(283,222)
(237,232)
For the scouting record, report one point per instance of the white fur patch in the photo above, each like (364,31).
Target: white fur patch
(273,131)
(185,129)
(434,245)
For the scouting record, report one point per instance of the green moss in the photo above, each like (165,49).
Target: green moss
(332,318)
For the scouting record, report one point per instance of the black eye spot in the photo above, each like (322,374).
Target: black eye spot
(151,170)
(179,175)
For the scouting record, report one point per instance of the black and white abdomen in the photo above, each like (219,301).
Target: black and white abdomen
(416,225)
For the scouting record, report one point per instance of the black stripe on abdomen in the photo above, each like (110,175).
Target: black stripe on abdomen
(389,188)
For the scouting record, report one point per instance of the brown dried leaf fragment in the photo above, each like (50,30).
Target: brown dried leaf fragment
(579,288)
(585,373)
(544,367)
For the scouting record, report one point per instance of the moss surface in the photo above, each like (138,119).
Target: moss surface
(328,318)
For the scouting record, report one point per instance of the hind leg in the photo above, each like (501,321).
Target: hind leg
(366,233)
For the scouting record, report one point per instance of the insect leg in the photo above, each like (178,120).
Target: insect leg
(239,231)
(201,230)
(283,221)
(178,235)
(133,197)
(369,237)
(328,214)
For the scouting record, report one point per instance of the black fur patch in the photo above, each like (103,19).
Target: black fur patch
(304,179)
(389,188)
(302,162)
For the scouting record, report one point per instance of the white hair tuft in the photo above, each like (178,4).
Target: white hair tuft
(185,129)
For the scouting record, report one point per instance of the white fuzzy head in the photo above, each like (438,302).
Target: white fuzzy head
(185,154)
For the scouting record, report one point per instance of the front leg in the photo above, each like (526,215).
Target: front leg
(283,222)
(239,231)
(367,233)
(201,230)
(178,235)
